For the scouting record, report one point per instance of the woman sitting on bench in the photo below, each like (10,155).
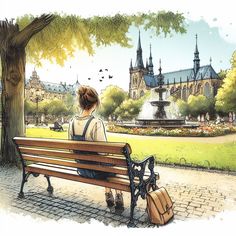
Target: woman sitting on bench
(85,126)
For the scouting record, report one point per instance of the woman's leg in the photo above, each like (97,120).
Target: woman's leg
(119,199)
(107,190)
(109,197)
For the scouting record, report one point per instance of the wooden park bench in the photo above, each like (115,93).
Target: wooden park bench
(55,158)
(56,127)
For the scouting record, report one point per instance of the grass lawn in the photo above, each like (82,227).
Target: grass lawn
(218,155)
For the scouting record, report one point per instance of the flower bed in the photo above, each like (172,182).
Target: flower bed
(210,130)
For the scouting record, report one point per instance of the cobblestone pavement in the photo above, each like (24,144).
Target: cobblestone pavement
(196,195)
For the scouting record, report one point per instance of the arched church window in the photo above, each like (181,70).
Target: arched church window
(199,88)
(135,80)
(215,88)
(190,89)
(207,90)
(141,93)
(184,93)
(134,95)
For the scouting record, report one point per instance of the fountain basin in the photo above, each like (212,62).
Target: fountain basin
(159,123)
(160,103)
(162,90)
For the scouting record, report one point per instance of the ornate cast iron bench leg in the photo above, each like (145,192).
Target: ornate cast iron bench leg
(24,180)
(49,188)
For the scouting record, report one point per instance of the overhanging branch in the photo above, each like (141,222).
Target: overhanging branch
(23,37)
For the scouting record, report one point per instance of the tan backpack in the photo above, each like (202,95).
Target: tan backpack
(159,206)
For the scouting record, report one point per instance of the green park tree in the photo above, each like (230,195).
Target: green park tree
(129,109)
(226,96)
(56,38)
(71,104)
(111,98)
(57,107)
(222,74)
(30,107)
(183,107)
(44,106)
(196,105)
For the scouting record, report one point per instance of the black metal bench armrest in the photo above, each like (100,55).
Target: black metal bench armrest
(145,180)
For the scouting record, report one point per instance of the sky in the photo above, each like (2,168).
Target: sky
(214,23)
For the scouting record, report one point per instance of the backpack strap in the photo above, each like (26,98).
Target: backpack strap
(73,128)
(87,125)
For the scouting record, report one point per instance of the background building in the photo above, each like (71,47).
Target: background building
(182,83)
(47,90)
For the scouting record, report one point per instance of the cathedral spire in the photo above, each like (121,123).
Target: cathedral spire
(150,66)
(131,65)
(196,60)
(146,63)
(139,58)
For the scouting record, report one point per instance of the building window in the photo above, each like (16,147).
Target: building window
(141,93)
(190,89)
(184,93)
(207,90)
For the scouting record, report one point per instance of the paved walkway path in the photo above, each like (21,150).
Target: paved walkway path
(196,194)
(219,139)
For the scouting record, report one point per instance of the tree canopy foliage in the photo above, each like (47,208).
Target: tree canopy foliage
(111,98)
(54,107)
(67,33)
(226,96)
(129,109)
(196,105)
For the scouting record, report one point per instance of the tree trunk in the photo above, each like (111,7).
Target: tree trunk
(12,49)
(13,79)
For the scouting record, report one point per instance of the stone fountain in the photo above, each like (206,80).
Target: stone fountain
(160,119)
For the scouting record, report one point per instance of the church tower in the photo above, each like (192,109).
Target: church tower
(137,85)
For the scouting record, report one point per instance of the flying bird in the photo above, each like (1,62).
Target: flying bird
(100,70)
(110,76)
(89,78)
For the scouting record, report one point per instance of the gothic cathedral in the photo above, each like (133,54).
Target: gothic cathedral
(181,84)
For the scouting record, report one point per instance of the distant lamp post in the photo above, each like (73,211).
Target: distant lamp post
(37,107)
(37,99)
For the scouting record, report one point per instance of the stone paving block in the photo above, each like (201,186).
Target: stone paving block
(194,204)
(197,213)
(199,209)
(181,213)
(180,209)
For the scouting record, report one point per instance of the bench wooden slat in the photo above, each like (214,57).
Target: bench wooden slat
(100,147)
(121,161)
(110,169)
(70,175)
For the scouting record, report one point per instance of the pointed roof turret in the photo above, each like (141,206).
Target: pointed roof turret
(196,60)
(150,57)
(139,58)
(77,79)
(147,64)
(150,66)
(131,65)
(160,66)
